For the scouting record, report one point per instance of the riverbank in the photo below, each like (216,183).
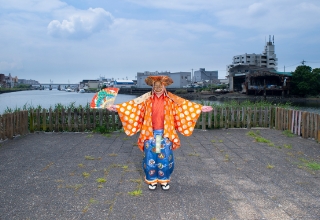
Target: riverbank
(243,97)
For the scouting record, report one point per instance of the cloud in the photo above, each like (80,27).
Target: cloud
(10,66)
(272,15)
(32,5)
(186,5)
(264,15)
(81,24)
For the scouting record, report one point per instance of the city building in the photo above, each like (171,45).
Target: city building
(28,82)
(203,75)
(249,63)
(180,79)
(122,83)
(8,81)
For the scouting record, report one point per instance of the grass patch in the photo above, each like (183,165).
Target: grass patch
(194,154)
(85,174)
(113,155)
(89,135)
(252,134)
(81,165)
(107,135)
(91,201)
(137,192)
(288,133)
(269,166)
(288,146)
(313,165)
(220,141)
(101,130)
(226,157)
(262,140)
(89,158)
(213,141)
(101,180)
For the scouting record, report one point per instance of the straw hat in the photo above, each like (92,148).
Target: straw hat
(165,80)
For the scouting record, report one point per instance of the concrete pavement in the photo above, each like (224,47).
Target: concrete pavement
(219,174)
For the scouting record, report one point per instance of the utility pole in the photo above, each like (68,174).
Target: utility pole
(192,77)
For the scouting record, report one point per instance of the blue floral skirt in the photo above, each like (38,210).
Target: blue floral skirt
(158,166)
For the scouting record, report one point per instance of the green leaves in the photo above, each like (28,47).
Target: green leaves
(306,81)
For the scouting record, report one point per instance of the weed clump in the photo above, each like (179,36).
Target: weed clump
(101,180)
(137,192)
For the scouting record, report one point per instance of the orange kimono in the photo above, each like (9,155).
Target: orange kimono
(179,115)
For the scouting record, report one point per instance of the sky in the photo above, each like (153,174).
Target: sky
(68,41)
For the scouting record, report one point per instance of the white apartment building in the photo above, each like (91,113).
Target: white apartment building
(242,64)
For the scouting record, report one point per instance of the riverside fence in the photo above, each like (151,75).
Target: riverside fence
(301,123)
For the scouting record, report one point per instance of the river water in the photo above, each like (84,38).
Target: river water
(49,98)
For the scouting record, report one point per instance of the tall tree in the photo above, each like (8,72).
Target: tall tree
(306,81)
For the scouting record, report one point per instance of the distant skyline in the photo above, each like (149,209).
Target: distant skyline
(73,40)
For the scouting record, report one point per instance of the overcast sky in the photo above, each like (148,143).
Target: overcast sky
(72,40)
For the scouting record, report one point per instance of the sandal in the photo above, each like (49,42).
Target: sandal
(165,186)
(152,186)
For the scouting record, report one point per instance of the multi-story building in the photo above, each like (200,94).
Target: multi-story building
(8,81)
(28,82)
(203,75)
(245,63)
(180,79)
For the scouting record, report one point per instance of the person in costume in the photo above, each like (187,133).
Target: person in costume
(158,115)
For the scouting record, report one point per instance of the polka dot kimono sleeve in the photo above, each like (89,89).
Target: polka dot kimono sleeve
(186,116)
(131,116)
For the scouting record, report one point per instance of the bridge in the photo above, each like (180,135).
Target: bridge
(56,85)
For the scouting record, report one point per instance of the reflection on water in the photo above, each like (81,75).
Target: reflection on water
(49,98)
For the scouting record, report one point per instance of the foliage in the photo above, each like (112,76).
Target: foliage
(313,165)
(89,158)
(306,81)
(23,86)
(137,192)
(181,91)
(85,174)
(246,104)
(101,180)
(288,133)
(101,129)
